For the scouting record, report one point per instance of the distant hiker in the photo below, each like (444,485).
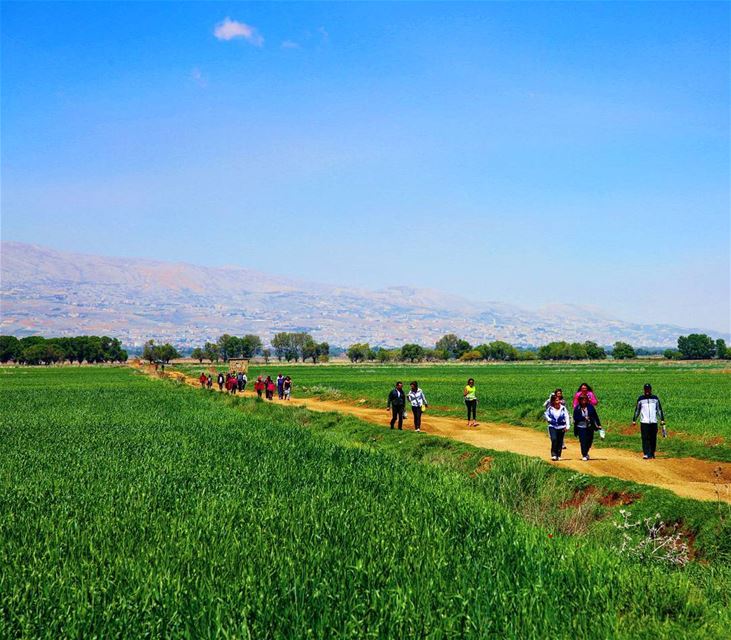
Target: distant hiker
(270,387)
(259,386)
(558,392)
(470,400)
(586,422)
(240,381)
(221,381)
(280,386)
(587,390)
(397,404)
(287,387)
(209,381)
(231,384)
(203,380)
(648,410)
(557,417)
(243,381)
(418,404)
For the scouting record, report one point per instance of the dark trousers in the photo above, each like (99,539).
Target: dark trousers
(649,438)
(397,413)
(586,439)
(417,417)
(557,436)
(471,409)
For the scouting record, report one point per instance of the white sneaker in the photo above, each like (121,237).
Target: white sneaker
(554,458)
(585,458)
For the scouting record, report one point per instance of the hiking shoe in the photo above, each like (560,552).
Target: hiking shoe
(645,457)
(554,458)
(585,458)
(558,459)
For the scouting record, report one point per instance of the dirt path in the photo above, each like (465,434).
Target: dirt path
(687,477)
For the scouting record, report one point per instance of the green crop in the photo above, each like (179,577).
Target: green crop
(132,508)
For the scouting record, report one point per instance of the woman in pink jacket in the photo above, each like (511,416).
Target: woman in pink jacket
(584,389)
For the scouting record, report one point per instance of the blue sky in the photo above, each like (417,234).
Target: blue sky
(530,153)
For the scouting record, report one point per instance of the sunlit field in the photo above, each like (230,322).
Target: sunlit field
(140,508)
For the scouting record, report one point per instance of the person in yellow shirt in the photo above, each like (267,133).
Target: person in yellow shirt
(470,399)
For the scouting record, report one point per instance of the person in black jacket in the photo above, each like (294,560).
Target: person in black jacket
(397,404)
(586,421)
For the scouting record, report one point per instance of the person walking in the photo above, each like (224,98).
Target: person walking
(586,390)
(586,422)
(259,386)
(418,404)
(221,380)
(280,386)
(202,380)
(244,381)
(240,381)
(558,392)
(397,405)
(557,417)
(270,387)
(209,381)
(287,387)
(649,410)
(470,400)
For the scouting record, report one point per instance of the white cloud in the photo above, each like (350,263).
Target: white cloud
(230,29)
(198,77)
(290,44)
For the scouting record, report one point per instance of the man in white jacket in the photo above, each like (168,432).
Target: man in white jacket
(649,410)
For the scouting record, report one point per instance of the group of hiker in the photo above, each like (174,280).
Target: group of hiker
(236,381)
(266,387)
(559,418)
(586,420)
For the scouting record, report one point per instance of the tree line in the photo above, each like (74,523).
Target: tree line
(39,350)
(289,346)
(296,346)
(451,347)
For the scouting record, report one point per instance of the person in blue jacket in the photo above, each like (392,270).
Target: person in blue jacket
(557,417)
(586,422)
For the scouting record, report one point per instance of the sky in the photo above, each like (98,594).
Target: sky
(529,153)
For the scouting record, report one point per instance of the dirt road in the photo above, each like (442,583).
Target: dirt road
(687,477)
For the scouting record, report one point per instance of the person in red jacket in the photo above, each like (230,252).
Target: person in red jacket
(203,380)
(259,386)
(271,387)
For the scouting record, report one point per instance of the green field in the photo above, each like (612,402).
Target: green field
(695,397)
(132,507)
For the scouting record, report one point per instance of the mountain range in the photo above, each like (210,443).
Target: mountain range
(54,293)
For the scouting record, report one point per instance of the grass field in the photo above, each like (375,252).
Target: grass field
(132,507)
(695,397)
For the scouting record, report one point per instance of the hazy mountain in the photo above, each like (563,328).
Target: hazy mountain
(55,293)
